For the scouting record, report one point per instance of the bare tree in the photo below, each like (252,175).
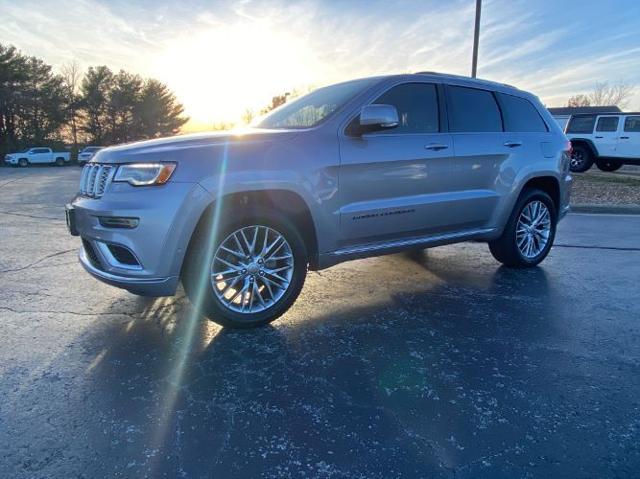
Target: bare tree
(71,75)
(579,100)
(604,94)
(617,94)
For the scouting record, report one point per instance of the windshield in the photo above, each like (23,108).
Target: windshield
(313,108)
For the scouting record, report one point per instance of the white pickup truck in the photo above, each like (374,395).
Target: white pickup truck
(609,140)
(38,156)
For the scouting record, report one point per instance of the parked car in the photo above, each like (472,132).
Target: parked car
(38,156)
(87,153)
(609,140)
(362,168)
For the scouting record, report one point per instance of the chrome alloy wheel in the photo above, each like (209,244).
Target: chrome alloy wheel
(252,269)
(533,229)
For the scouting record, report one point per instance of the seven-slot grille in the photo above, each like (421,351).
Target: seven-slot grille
(95,179)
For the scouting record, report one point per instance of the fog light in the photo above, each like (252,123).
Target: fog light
(118,222)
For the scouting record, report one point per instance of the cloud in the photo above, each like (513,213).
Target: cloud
(318,42)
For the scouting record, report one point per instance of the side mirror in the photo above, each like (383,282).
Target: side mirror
(379,116)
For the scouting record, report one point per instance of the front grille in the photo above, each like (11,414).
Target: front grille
(95,178)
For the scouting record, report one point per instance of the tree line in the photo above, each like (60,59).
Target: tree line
(39,107)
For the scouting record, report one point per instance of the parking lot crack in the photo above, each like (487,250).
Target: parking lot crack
(52,255)
(36,217)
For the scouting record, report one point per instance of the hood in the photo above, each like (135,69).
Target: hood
(148,149)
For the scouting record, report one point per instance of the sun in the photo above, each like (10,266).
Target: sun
(220,72)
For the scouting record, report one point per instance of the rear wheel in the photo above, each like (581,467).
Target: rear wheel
(249,274)
(529,233)
(59,161)
(581,159)
(608,165)
(23,162)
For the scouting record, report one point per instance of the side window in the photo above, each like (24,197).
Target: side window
(607,123)
(472,110)
(42,150)
(581,124)
(417,105)
(632,123)
(520,115)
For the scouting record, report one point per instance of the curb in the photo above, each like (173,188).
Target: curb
(606,209)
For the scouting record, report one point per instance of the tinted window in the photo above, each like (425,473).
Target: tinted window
(41,150)
(607,123)
(581,124)
(473,110)
(632,123)
(520,114)
(417,105)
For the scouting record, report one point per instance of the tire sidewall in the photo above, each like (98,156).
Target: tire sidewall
(202,256)
(528,197)
(608,165)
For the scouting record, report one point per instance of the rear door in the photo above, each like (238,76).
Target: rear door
(629,142)
(481,155)
(393,181)
(606,135)
(42,155)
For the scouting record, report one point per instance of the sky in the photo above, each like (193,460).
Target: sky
(222,58)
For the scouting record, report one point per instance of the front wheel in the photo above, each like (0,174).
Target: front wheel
(529,233)
(248,274)
(608,165)
(23,162)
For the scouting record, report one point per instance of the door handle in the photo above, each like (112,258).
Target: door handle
(436,146)
(599,137)
(624,137)
(512,144)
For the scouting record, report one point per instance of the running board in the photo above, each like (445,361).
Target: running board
(419,241)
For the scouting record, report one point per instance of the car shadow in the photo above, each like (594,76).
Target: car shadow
(415,380)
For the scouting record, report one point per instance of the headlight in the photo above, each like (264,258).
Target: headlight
(145,174)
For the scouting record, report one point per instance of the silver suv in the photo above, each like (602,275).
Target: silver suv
(362,168)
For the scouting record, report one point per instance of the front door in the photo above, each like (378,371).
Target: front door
(393,181)
(606,135)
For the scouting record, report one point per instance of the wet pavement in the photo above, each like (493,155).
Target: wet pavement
(429,364)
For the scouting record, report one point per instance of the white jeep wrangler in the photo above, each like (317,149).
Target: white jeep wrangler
(609,140)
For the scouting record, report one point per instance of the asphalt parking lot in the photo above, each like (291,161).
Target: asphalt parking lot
(430,364)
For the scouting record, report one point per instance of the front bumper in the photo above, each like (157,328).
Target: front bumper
(167,217)
(143,286)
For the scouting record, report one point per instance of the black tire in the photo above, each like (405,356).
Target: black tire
(23,162)
(59,161)
(608,165)
(197,272)
(581,159)
(505,248)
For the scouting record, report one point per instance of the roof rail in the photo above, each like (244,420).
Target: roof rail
(452,75)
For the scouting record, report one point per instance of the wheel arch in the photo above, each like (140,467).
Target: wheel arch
(288,202)
(586,142)
(548,184)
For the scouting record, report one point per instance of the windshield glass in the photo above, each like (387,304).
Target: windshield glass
(313,108)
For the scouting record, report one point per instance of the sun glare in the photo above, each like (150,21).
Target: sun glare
(222,71)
